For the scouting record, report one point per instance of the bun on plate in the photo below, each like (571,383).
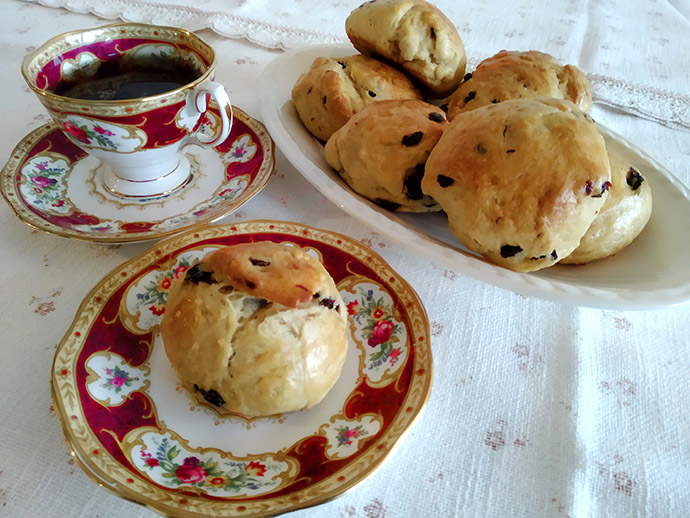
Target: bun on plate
(256,328)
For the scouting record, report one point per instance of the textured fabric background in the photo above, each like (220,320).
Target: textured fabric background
(537,408)
(632,50)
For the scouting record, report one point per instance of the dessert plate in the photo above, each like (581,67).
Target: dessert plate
(136,432)
(652,272)
(55,186)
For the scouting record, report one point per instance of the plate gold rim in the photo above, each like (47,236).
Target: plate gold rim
(421,378)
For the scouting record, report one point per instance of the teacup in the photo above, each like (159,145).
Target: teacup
(132,95)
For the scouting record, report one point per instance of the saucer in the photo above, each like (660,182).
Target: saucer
(136,431)
(54,186)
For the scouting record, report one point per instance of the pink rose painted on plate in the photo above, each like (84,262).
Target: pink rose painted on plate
(180,270)
(149,459)
(395,353)
(347,434)
(118,378)
(204,472)
(190,471)
(380,331)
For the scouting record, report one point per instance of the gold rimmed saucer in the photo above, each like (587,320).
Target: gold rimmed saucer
(56,187)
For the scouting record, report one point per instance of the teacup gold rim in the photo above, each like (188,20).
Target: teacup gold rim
(59,98)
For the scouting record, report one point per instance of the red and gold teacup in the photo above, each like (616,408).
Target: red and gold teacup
(131,95)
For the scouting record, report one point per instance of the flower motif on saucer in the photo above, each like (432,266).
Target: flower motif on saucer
(52,184)
(102,227)
(241,151)
(232,190)
(45,183)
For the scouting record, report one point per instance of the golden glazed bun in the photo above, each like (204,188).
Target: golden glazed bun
(414,35)
(382,150)
(257,328)
(521,181)
(334,89)
(520,75)
(624,215)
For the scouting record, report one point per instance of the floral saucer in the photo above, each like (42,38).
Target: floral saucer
(135,431)
(55,186)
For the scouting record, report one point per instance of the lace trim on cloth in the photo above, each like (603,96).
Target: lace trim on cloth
(231,26)
(662,106)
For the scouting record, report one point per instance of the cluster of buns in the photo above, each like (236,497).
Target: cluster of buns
(512,156)
(257,329)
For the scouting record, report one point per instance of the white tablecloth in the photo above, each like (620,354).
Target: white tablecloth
(631,49)
(537,409)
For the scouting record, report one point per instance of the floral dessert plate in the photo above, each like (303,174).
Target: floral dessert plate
(652,272)
(54,186)
(136,432)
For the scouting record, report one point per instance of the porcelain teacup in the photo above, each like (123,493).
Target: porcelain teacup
(132,95)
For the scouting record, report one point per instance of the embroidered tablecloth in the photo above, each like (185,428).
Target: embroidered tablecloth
(632,51)
(537,408)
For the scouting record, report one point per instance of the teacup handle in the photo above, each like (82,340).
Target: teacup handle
(197,100)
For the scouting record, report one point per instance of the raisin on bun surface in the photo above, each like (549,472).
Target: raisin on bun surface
(381,152)
(520,75)
(521,181)
(256,328)
(334,89)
